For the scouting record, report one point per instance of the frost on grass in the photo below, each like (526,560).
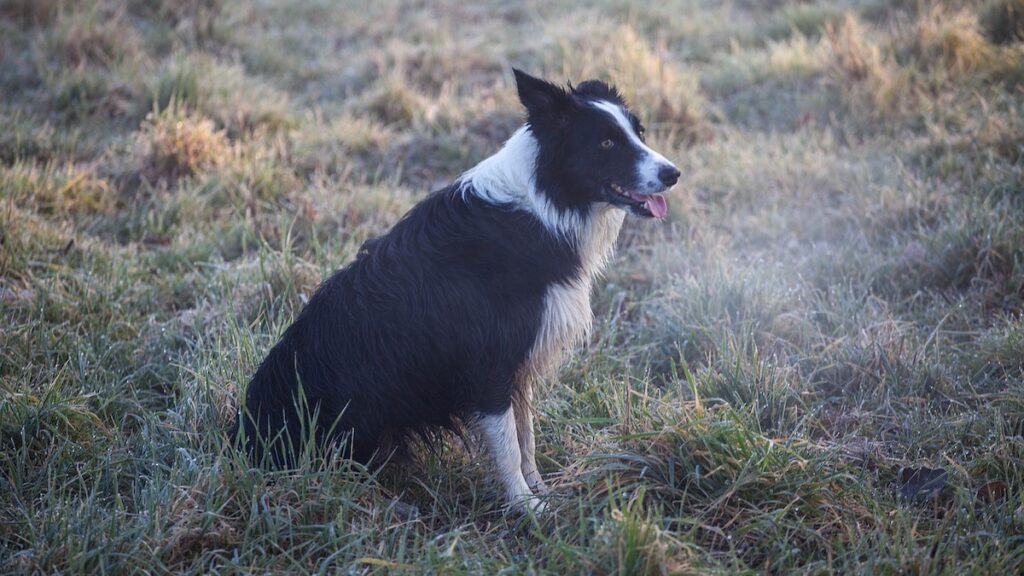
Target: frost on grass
(835,301)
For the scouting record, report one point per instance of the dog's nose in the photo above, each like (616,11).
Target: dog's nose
(668,175)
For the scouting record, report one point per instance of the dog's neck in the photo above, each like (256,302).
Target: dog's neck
(509,177)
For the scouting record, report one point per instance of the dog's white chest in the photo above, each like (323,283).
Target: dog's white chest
(565,322)
(567,317)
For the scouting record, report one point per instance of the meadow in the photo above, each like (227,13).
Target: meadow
(814,365)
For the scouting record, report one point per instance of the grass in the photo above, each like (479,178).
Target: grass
(834,303)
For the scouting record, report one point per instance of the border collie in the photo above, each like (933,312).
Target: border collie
(472,299)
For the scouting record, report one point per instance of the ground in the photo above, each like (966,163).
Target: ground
(814,365)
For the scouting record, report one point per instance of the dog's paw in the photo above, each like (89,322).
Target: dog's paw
(532,505)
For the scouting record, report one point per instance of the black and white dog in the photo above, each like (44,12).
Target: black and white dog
(471,299)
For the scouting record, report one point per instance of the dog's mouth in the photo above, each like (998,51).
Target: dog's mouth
(646,205)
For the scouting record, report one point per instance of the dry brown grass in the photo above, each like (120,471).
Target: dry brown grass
(224,92)
(868,82)
(855,58)
(663,93)
(193,19)
(794,56)
(1008,67)
(58,188)
(172,144)
(445,61)
(192,528)
(835,295)
(953,39)
(339,141)
(94,34)
(394,101)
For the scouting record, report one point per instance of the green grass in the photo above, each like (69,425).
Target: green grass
(835,298)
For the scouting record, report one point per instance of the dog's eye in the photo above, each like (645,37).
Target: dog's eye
(607,144)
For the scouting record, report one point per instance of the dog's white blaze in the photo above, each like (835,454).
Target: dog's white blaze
(500,439)
(651,162)
(508,177)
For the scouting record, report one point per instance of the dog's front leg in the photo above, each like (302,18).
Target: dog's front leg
(523,405)
(502,443)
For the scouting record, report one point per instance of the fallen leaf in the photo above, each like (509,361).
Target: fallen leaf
(921,483)
(991,492)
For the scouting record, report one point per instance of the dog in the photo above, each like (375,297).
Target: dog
(470,301)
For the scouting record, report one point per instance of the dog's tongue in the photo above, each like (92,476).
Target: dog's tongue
(656,205)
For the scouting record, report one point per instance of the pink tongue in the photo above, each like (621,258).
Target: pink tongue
(656,204)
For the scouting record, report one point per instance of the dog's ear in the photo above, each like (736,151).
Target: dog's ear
(543,100)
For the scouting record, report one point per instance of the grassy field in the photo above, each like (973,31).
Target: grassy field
(815,365)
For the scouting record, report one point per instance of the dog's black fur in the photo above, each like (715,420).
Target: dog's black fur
(428,324)
(432,322)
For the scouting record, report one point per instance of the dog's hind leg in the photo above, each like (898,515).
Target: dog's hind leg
(502,443)
(522,403)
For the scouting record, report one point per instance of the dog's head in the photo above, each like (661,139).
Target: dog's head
(591,148)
